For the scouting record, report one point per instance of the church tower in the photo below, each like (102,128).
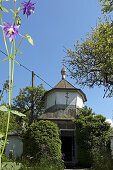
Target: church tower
(61,105)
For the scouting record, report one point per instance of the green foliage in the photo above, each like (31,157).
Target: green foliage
(101,161)
(11,165)
(14,125)
(45,164)
(30,98)
(107,5)
(93,137)
(91,62)
(42,143)
(5,109)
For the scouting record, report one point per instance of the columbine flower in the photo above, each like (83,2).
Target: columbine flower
(11,30)
(28,8)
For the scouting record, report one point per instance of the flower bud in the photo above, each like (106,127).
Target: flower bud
(18,21)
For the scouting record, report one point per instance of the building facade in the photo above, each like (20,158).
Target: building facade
(61,106)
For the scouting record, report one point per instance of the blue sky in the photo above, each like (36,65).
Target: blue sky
(55,25)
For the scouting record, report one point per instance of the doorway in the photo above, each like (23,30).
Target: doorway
(67,148)
(68,145)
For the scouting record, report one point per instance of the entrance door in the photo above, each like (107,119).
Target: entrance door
(67,144)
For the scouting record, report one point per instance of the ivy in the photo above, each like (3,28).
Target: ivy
(93,139)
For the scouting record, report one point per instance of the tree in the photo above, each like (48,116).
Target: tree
(107,5)
(91,61)
(93,140)
(30,100)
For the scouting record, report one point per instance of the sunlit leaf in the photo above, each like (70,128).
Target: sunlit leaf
(3,9)
(1,143)
(4,109)
(17,113)
(5,60)
(17,62)
(19,51)
(12,11)
(11,165)
(1,135)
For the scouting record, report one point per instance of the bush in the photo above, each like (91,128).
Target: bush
(93,140)
(101,161)
(42,145)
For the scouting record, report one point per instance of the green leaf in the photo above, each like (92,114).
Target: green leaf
(1,135)
(19,51)
(4,9)
(29,39)
(11,165)
(12,11)
(17,113)
(5,60)
(4,109)
(1,143)
(17,62)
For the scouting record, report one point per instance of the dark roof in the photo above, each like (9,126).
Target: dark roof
(65,85)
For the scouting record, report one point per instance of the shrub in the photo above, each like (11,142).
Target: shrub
(42,143)
(102,161)
(93,139)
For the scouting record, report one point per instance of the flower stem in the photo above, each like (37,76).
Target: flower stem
(13,68)
(10,98)
(20,43)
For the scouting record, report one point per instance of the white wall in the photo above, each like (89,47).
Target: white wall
(61,98)
(112,145)
(74,98)
(14,145)
(80,102)
(50,100)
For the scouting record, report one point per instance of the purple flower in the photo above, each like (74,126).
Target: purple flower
(43,147)
(11,30)
(28,8)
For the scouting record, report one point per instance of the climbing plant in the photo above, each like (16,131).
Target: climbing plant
(93,140)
